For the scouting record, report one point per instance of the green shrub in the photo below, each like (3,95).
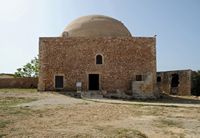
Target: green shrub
(196,83)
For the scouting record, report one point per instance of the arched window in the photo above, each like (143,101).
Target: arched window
(99,59)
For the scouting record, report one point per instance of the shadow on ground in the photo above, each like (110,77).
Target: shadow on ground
(164,98)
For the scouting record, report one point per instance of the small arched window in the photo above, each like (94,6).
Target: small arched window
(99,59)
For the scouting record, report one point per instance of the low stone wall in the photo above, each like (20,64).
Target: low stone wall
(18,82)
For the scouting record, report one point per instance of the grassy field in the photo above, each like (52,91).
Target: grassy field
(27,113)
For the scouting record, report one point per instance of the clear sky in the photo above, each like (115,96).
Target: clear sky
(175,22)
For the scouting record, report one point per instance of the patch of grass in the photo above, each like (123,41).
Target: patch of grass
(12,101)
(99,128)
(2,135)
(19,111)
(16,90)
(14,112)
(7,106)
(3,123)
(149,111)
(82,135)
(39,112)
(83,103)
(173,134)
(128,133)
(182,135)
(110,131)
(169,123)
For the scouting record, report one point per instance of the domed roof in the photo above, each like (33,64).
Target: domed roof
(96,26)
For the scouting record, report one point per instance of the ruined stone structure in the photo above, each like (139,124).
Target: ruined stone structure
(9,82)
(98,53)
(175,82)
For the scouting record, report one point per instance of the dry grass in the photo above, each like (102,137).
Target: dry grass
(9,113)
(3,123)
(126,133)
(92,119)
(169,123)
(15,90)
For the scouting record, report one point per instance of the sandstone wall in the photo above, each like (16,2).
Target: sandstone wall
(18,82)
(124,58)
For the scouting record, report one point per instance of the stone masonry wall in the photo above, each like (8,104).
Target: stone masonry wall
(18,82)
(124,57)
(184,87)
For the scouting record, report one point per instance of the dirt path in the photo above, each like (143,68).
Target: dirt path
(53,99)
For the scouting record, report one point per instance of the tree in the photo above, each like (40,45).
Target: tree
(196,83)
(29,70)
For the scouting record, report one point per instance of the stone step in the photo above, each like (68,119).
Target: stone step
(92,94)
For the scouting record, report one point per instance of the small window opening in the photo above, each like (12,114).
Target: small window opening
(99,59)
(59,82)
(138,77)
(158,79)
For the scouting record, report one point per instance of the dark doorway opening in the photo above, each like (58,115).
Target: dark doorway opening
(174,84)
(93,81)
(59,82)
(158,79)
(175,80)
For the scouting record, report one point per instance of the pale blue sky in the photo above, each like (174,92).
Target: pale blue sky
(175,22)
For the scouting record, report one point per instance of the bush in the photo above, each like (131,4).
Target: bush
(29,70)
(196,83)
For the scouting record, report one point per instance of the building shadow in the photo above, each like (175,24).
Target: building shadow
(174,99)
(164,98)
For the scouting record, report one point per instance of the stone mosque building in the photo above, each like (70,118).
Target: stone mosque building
(98,54)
